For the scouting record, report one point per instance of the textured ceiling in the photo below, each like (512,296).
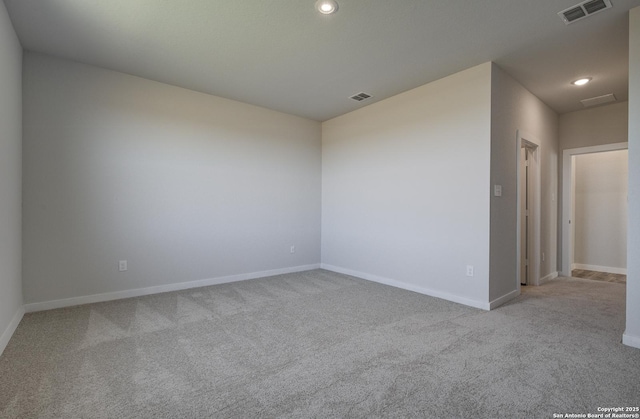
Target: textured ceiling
(284,55)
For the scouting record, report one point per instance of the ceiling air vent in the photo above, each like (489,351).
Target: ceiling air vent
(595,6)
(584,9)
(598,100)
(360,97)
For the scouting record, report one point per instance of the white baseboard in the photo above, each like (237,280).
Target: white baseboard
(117,295)
(552,275)
(13,325)
(633,341)
(505,298)
(409,287)
(597,268)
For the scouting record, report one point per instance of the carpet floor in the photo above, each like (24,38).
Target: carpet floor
(320,344)
(599,276)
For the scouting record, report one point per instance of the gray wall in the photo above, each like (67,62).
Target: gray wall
(513,109)
(594,126)
(10,177)
(184,185)
(632,333)
(405,188)
(601,211)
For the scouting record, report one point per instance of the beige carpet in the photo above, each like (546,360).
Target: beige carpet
(599,276)
(320,344)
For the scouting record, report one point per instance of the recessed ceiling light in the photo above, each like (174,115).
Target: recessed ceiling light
(581,82)
(326,7)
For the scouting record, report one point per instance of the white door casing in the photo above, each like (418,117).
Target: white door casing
(567,204)
(532,145)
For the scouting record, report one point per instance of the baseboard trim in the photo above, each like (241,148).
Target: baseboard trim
(11,328)
(138,292)
(547,278)
(629,340)
(597,268)
(504,299)
(408,287)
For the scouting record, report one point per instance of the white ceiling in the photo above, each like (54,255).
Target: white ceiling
(284,55)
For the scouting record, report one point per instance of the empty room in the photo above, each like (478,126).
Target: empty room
(319,208)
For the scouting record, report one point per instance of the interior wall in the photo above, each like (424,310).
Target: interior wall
(10,178)
(601,211)
(572,231)
(405,185)
(184,186)
(514,109)
(632,332)
(608,124)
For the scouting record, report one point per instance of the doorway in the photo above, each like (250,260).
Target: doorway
(528,241)
(568,207)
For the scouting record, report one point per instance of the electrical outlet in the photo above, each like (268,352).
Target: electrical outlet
(293,249)
(122,265)
(543,256)
(469,270)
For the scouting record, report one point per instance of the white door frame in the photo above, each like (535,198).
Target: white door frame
(526,138)
(567,225)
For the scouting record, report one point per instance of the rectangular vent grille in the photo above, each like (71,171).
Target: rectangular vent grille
(595,5)
(574,14)
(598,100)
(584,9)
(360,97)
